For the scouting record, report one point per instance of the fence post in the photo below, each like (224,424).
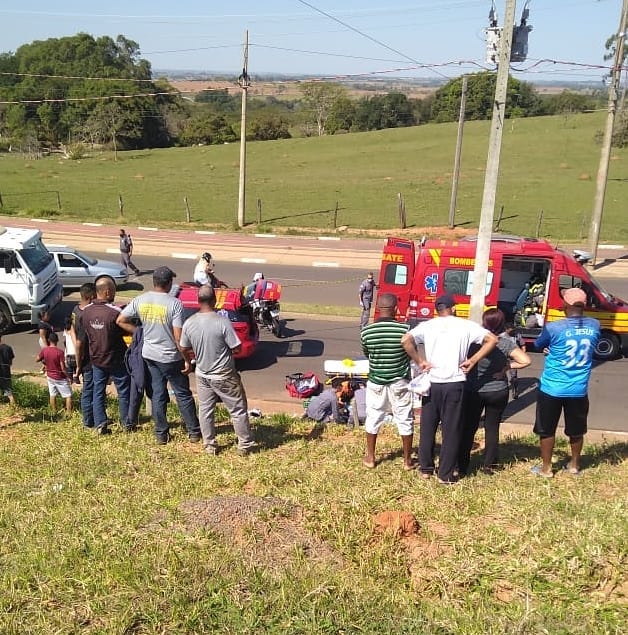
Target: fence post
(336,215)
(582,226)
(121,204)
(401,208)
(259,211)
(538,223)
(58,199)
(499,218)
(187,209)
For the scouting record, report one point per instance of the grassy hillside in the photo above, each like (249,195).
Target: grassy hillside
(117,535)
(548,163)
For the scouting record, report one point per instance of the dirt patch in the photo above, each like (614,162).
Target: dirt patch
(399,523)
(269,531)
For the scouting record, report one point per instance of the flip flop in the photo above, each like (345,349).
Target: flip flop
(368,465)
(537,471)
(572,471)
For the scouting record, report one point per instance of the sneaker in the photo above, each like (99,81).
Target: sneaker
(129,429)
(195,438)
(212,450)
(103,429)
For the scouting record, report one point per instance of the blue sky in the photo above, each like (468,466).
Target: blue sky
(287,36)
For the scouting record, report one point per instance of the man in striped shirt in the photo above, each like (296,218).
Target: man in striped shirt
(387,385)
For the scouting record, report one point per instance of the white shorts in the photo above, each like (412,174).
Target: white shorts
(59,387)
(382,400)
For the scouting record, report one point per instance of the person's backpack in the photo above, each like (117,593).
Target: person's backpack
(302,385)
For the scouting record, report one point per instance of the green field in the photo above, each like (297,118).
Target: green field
(117,535)
(548,163)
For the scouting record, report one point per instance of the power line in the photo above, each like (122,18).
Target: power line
(368,37)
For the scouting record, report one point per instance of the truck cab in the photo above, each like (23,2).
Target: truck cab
(526,278)
(28,277)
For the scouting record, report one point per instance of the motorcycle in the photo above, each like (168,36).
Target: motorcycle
(266,309)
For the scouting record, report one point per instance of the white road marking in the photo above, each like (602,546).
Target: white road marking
(259,261)
(265,235)
(325,264)
(112,251)
(149,229)
(611,247)
(184,256)
(201,231)
(329,238)
(93,224)
(40,220)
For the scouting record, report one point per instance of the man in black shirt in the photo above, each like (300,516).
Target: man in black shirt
(81,345)
(106,351)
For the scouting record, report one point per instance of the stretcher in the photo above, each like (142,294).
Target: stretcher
(346,368)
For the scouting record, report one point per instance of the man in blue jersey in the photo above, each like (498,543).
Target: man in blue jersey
(387,385)
(563,387)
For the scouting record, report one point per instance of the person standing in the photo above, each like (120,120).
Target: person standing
(365,295)
(106,352)
(210,339)
(486,389)
(81,346)
(563,387)
(56,372)
(446,339)
(126,251)
(388,378)
(161,316)
(6,360)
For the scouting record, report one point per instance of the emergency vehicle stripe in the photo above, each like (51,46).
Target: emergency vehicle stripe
(617,322)
(435,253)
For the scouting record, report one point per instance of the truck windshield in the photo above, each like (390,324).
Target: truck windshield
(36,256)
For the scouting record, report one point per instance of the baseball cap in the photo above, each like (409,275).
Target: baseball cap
(445,301)
(574,296)
(163,275)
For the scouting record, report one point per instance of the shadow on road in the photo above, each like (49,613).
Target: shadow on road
(527,397)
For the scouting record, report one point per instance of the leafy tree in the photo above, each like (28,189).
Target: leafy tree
(85,72)
(207,129)
(568,102)
(269,128)
(521,100)
(320,97)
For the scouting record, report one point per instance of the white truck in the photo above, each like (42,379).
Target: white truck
(28,277)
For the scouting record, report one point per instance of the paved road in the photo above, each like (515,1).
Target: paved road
(310,341)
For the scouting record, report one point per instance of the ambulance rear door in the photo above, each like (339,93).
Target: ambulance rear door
(397,271)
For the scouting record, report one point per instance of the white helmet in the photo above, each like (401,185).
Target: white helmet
(258,276)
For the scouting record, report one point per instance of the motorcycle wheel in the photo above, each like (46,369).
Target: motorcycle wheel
(277,328)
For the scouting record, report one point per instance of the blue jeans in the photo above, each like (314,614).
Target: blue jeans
(87,397)
(122,382)
(160,374)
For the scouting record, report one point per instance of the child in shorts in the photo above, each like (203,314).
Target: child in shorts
(56,372)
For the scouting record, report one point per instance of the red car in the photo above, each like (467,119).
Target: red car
(231,304)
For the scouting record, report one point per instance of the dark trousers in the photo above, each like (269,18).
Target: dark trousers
(160,374)
(493,403)
(443,405)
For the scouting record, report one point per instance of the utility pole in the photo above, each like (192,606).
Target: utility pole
(244,82)
(483,247)
(456,177)
(605,156)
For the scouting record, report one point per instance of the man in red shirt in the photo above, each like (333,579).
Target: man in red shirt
(56,372)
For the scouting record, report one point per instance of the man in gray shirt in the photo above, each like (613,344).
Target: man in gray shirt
(161,316)
(210,339)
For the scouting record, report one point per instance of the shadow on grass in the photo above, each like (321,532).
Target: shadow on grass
(312,213)
(269,435)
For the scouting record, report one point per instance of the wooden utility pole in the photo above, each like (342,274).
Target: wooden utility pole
(483,247)
(456,177)
(244,82)
(605,156)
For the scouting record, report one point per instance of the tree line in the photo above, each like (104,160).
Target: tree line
(98,91)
